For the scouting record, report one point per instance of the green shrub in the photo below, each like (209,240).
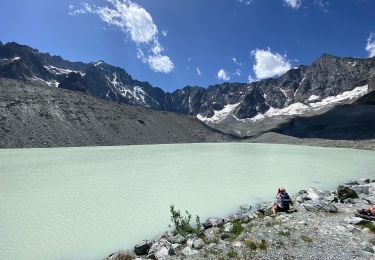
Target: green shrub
(182,223)
(232,254)
(237,228)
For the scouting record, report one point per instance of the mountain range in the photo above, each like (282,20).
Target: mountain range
(238,109)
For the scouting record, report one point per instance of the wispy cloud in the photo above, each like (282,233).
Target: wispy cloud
(223,75)
(235,61)
(199,72)
(246,2)
(295,4)
(136,23)
(370,46)
(269,64)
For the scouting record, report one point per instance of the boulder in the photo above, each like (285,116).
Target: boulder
(345,192)
(142,248)
(187,251)
(211,234)
(245,207)
(212,222)
(161,249)
(320,206)
(302,197)
(315,194)
(224,236)
(366,246)
(198,243)
(364,181)
(353,220)
(228,227)
(179,239)
(364,189)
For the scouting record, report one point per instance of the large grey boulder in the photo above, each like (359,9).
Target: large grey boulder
(161,249)
(320,206)
(179,239)
(212,222)
(345,192)
(142,248)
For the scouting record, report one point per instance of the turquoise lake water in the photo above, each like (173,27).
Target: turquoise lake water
(84,203)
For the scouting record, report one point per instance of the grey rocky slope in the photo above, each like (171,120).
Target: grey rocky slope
(230,107)
(40,116)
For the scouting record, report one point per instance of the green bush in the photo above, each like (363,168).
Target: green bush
(237,228)
(367,224)
(182,223)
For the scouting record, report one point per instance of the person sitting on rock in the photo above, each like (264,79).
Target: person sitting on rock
(368,212)
(283,201)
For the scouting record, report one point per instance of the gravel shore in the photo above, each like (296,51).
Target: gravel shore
(320,225)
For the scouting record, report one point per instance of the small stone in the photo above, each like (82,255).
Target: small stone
(198,243)
(187,251)
(224,236)
(245,207)
(237,244)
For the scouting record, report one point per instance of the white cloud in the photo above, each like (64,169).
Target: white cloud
(370,46)
(164,32)
(235,61)
(250,79)
(199,72)
(295,4)
(246,2)
(223,75)
(237,73)
(137,23)
(268,64)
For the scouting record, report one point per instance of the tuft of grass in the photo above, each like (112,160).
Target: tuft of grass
(306,239)
(279,244)
(367,224)
(232,254)
(262,245)
(250,244)
(284,233)
(237,228)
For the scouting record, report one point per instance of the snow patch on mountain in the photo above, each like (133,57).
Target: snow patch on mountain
(60,71)
(219,115)
(51,83)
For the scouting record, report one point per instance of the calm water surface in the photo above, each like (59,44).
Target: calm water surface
(84,203)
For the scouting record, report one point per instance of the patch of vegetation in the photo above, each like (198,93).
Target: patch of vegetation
(250,244)
(249,227)
(279,244)
(237,228)
(367,224)
(306,239)
(284,233)
(182,222)
(232,254)
(262,245)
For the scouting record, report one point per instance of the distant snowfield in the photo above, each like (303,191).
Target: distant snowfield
(294,109)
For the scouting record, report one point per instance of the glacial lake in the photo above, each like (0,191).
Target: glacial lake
(85,203)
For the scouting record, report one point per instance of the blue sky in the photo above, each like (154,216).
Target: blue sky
(174,43)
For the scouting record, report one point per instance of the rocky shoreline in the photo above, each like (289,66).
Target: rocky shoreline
(320,225)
